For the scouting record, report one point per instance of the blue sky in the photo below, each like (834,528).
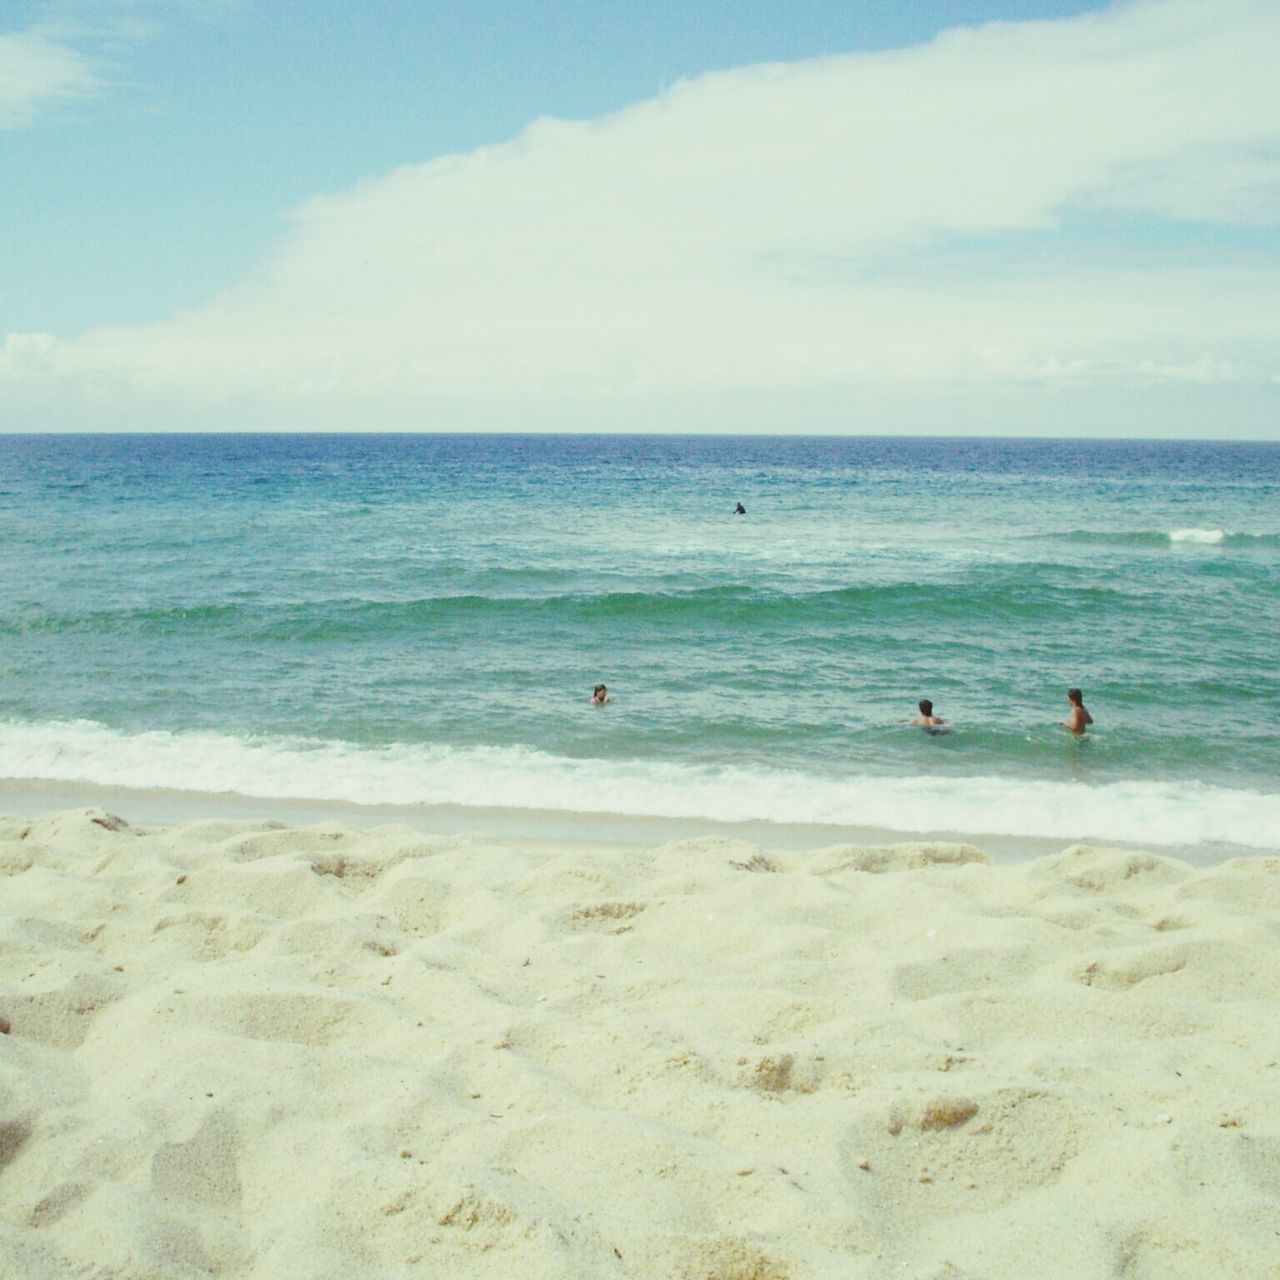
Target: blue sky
(241,214)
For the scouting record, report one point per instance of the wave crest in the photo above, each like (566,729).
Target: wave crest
(1156,538)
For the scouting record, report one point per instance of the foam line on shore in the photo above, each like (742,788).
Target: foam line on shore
(1171,814)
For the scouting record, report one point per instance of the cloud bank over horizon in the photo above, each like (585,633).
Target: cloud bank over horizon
(1064,225)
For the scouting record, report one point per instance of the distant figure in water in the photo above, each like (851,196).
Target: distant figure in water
(600,696)
(1078,717)
(740,510)
(926,719)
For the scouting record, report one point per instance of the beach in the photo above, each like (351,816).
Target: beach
(340,936)
(640,642)
(241,1049)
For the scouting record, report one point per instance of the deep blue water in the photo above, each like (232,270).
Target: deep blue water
(421,619)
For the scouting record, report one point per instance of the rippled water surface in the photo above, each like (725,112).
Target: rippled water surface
(422,618)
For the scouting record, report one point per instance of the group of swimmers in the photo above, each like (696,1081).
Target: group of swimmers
(1076,719)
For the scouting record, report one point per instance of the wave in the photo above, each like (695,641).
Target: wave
(1151,813)
(1207,537)
(1194,536)
(345,617)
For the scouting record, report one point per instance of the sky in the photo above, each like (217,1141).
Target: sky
(1012,217)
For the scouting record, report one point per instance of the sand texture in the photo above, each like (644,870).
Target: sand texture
(235,1049)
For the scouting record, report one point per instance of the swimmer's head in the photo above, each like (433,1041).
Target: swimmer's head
(926,707)
(1075,697)
(600,693)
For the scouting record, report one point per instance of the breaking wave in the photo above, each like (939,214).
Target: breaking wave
(1153,813)
(1155,538)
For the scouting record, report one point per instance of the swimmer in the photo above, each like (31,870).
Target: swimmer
(740,510)
(600,696)
(926,719)
(1079,717)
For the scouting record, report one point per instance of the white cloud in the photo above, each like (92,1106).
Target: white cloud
(36,72)
(853,229)
(65,56)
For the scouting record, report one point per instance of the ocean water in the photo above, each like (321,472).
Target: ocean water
(401,619)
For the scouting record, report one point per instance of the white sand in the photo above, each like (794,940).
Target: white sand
(240,1050)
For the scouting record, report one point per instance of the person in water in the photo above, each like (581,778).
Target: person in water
(1078,716)
(740,510)
(926,719)
(600,696)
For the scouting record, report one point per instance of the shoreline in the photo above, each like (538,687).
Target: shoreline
(168,806)
(517,790)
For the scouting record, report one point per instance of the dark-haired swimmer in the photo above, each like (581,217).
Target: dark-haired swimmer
(926,716)
(1078,717)
(927,720)
(600,696)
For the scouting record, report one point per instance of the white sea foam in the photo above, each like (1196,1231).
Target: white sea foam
(1209,537)
(1155,813)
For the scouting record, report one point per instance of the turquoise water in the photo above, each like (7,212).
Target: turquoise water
(420,620)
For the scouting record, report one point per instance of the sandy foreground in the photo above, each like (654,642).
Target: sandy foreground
(238,1049)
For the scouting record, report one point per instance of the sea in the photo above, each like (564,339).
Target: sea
(419,621)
